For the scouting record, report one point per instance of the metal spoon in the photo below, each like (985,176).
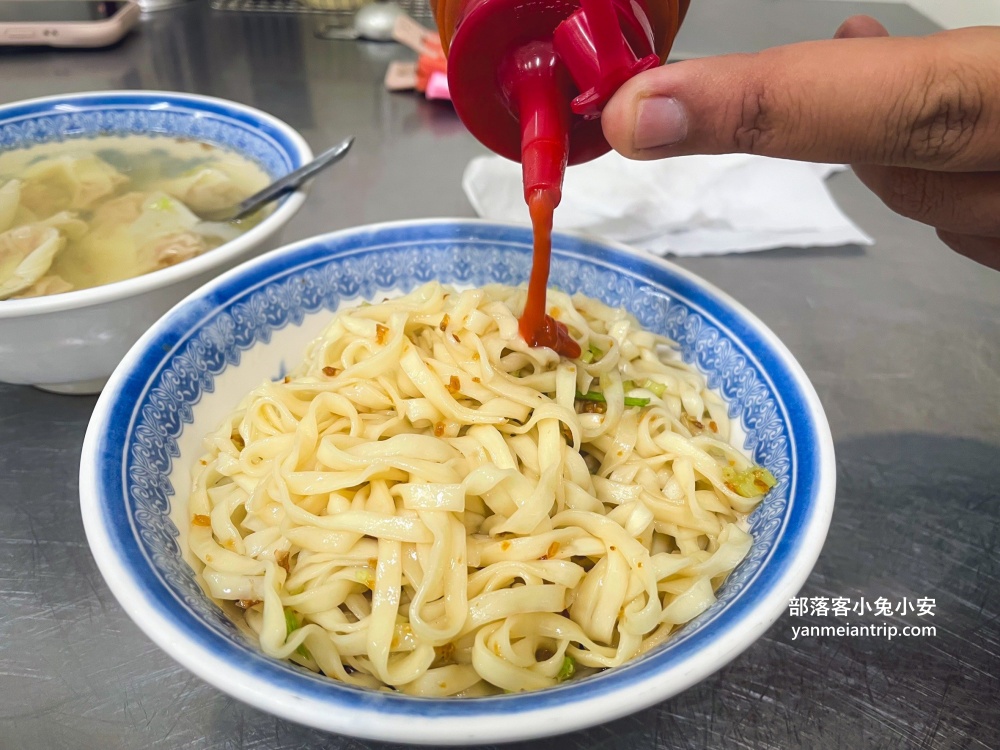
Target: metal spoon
(279,187)
(373,22)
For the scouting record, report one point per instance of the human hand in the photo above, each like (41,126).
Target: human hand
(917,118)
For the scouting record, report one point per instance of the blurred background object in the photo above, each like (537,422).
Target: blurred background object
(947,13)
(954,13)
(418,9)
(373,22)
(151,5)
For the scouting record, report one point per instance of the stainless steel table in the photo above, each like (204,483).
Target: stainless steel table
(902,341)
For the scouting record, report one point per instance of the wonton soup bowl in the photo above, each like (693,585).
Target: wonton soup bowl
(192,368)
(71,342)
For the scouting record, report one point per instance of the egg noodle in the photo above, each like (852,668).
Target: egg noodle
(429,505)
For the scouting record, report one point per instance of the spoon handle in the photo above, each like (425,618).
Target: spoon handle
(293,179)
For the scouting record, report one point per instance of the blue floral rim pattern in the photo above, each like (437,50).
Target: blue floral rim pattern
(203,119)
(209,332)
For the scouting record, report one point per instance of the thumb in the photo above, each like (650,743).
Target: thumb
(931,102)
(857,27)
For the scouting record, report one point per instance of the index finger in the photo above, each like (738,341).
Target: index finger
(931,102)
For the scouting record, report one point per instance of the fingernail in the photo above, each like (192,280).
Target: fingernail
(660,121)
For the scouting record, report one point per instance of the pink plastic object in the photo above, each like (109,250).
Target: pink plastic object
(529,78)
(437,86)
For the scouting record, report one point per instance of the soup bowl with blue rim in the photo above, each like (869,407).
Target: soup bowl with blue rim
(192,368)
(71,342)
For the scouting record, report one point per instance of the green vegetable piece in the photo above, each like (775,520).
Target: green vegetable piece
(291,624)
(567,670)
(599,397)
(163,204)
(628,385)
(592,354)
(657,389)
(753,482)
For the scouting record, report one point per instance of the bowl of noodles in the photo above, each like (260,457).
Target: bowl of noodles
(103,199)
(337,484)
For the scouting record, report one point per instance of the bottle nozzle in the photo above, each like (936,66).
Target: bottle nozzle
(543,166)
(540,89)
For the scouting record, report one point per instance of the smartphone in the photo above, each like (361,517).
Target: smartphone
(66,23)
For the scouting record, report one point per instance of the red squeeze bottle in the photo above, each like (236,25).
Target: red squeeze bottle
(529,79)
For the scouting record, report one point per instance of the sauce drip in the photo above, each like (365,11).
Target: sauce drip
(537,328)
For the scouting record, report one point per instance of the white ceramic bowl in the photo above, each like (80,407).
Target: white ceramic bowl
(192,368)
(71,342)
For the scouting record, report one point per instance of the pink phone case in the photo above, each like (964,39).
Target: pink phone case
(72,33)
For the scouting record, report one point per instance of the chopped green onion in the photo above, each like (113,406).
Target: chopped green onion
(657,389)
(162,204)
(567,670)
(628,385)
(599,397)
(591,355)
(292,623)
(753,482)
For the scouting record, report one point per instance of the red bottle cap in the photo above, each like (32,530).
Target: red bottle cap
(592,44)
(488,35)
(529,78)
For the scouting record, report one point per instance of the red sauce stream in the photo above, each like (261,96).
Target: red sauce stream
(538,328)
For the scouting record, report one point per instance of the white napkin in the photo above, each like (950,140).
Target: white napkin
(688,205)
